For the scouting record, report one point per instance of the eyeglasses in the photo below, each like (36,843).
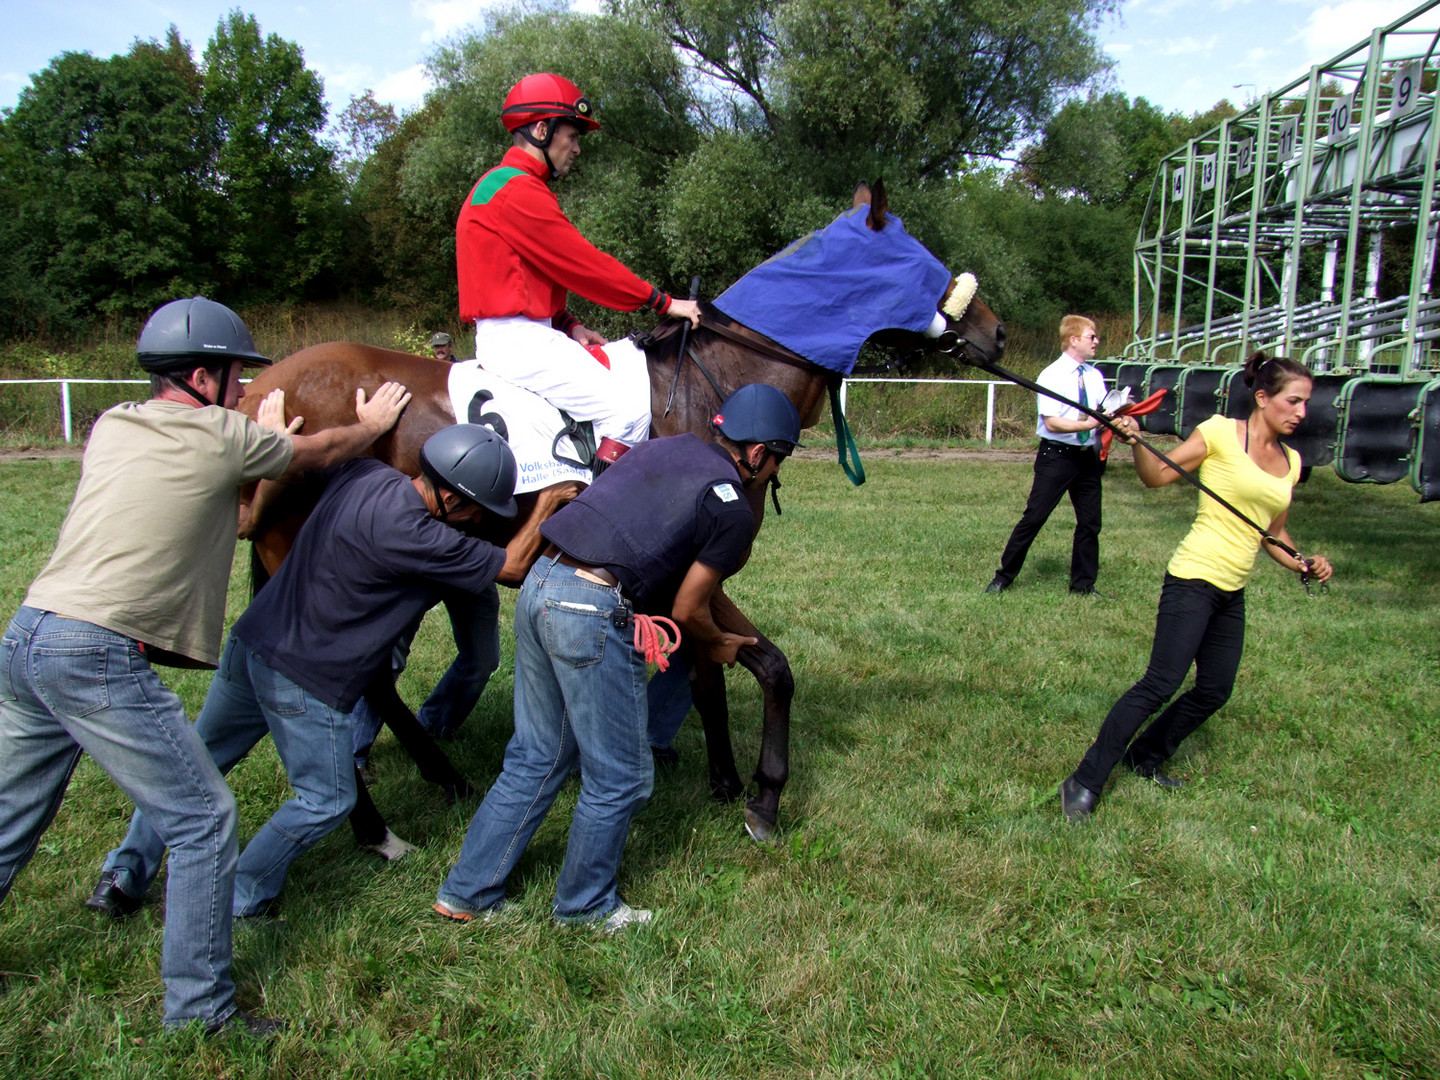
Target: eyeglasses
(1092,337)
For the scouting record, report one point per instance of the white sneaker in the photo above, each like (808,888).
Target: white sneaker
(624,916)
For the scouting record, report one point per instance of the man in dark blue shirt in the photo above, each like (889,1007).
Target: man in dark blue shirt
(374,555)
(657,532)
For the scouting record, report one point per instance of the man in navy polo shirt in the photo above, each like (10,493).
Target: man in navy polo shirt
(657,532)
(373,556)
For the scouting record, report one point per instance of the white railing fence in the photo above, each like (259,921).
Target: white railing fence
(67,423)
(989,385)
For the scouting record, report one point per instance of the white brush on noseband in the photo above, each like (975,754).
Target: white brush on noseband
(954,307)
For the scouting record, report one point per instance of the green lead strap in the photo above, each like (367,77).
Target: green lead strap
(844,441)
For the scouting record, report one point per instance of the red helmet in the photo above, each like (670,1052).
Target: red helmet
(546,97)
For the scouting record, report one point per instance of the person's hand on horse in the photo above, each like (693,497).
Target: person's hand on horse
(723,649)
(271,414)
(380,412)
(684,309)
(585,336)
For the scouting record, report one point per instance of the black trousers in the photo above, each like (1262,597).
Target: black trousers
(1197,623)
(1060,468)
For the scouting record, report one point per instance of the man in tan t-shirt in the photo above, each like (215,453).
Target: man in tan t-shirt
(139,574)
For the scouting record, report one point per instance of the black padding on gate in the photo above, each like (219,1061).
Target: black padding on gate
(1133,376)
(1198,390)
(1314,438)
(1373,446)
(1235,396)
(1425,453)
(1163,377)
(1108,369)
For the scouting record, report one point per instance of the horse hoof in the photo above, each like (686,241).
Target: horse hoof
(726,791)
(391,848)
(455,792)
(760,830)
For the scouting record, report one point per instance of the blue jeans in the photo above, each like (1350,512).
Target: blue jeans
(579,698)
(247,700)
(669,697)
(68,686)
(475,625)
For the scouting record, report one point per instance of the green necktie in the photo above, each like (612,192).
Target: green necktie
(1084,435)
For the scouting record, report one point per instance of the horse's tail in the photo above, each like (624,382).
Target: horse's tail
(258,574)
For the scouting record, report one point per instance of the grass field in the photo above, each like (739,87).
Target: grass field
(925,911)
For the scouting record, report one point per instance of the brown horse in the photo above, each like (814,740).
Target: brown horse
(720,356)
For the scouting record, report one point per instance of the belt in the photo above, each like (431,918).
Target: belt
(597,574)
(1071,447)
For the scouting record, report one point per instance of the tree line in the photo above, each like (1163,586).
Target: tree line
(729,128)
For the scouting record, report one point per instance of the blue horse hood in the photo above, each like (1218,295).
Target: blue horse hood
(827,292)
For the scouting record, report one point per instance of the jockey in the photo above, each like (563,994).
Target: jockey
(517,255)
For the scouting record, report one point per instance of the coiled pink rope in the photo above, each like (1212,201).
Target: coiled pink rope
(654,640)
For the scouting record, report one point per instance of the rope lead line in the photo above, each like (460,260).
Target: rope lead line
(1266,534)
(654,640)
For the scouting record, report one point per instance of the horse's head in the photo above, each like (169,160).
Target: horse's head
(972,332)
(862,277)
(964,327)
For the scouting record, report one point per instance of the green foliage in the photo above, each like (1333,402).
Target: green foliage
(129,181)
(103,186)
(277,197)
(730,127)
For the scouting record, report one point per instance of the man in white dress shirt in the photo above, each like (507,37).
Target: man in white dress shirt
(1068,460)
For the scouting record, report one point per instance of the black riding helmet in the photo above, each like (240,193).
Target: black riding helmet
(471,460)
(185,334)
(759,413)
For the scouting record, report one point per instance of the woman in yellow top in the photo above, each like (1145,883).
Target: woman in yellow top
(1202,602)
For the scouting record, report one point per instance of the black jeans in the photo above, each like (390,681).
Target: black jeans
(1197,622)
(1060,467)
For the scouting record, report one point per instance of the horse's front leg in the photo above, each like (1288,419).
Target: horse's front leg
(525,546)
(256,499)
(707,689)
(435,767)
(772,671)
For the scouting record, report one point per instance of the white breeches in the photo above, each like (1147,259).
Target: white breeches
(546,362)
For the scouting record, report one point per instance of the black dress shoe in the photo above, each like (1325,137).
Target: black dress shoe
(666,757)
(1076,800)
(1150,772)
(996,585)
(109,899)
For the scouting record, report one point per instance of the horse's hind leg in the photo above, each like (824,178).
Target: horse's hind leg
(434,766)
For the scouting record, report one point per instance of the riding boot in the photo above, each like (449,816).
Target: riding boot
(608,452)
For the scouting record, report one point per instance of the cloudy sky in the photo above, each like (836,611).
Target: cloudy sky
(1180,54)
